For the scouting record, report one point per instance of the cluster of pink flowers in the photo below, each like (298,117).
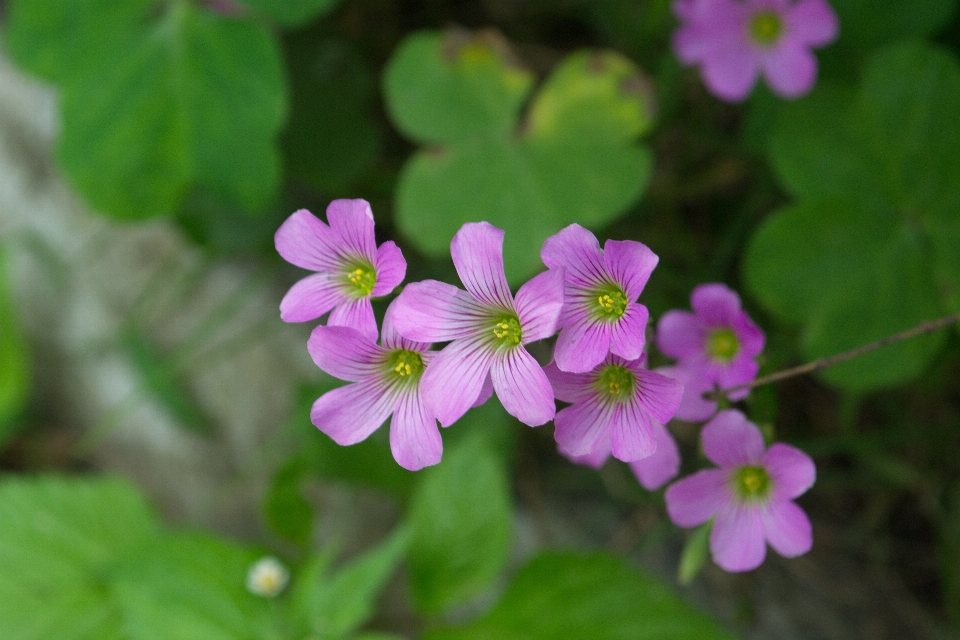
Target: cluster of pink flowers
(617,406)
(736,41)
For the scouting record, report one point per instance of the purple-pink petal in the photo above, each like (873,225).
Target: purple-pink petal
(568,387)
(787,528)
(791,470)
(391,339)
(631,432)
(344,353)
(433,311)
(349,414)
(538,304)
(739,371)
(730,440)
(352,221)
(390,268)
(522,387)
(486,392)
(305,241)
(455,378)
(311,297)
(790,69)
(693,500)
(577,250)
(477,252)
(731,72)
(737,539)
(715,304)
(582,427)
(679,334)
(628,335)
(596,458)
(414,438)
(749,335)
(357,314)
(656,470)
(582,345)
(629,263)
(812,22)
(658,395)
(693,406)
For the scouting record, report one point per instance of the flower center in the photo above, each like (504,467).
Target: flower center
(766,27)
(405,365)
(611,302)
(723,345)
(751,482)
(507,331)
(362,278)
(616,381)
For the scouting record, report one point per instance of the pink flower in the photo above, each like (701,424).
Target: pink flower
(600,312)
(750,496)
(717,343)
(736,41)
(693,406)
(386,381)
(651,472)
(350,268)
(488,329)
(617,407)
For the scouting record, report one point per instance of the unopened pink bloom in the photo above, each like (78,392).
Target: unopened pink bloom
(736,41)
(617,407)
(487,329)
(750,497)
(386,381)
(600,311)
(718,342)
(350,268)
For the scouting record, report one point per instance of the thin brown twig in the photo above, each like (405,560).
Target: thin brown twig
(822,363)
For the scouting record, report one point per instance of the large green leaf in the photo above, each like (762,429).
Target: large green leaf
(461,525)
(870,247)
(573,158)
(158,99)
(189,587)
(14,362)
(59,542)
(559,595)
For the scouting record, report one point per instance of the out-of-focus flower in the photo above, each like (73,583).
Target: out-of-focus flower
(488,329)
(267,577)
(693,406)
(386,381)
(617,407)
(350,268)
(600,312)
(736,41)
(717,342)
(750,496)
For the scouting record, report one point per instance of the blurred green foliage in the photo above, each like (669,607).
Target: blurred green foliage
(573,158)
(14,359)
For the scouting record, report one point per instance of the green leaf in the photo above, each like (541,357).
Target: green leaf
(14,361)
(335,606)
(560,595)
(189,587)
(292,13)
(865,24)
(287,511)
(461,526)
(59,541)
(331,138)
(870,247)
(695,553)
(188,98)
(573,160)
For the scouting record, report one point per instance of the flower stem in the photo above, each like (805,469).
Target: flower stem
(822,363)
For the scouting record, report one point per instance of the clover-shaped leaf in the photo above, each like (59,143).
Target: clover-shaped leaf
(157,99)
(572,159)
(870,248)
